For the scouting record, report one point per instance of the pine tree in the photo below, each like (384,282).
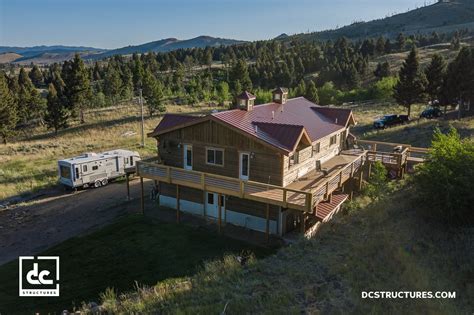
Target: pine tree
(56,113)
(8,117)
(312,92)
(435,73)
(380,46)
(30,102)
(78,86)
(411,83)
(36,76)
(239,72)
(112,84)
(152,92)
(459,86)
(382,70)
(401,41)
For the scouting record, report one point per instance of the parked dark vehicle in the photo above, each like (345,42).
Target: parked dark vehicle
(432,112)
(390,120)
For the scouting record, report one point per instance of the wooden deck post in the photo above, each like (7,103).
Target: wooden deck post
(267,228)
(359,185)
(330,198)
(219,214)
(128,186)
(303,223)
(369,170)
(177,204)
(142,199)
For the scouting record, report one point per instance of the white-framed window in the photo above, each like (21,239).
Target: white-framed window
(84,168)
(188,156)
(293,159)
(333,140)
(215,156)
(244,165)
(277,96)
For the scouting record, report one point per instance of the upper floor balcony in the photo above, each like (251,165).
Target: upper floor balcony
(303,194)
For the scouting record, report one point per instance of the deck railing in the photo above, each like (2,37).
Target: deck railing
(336,180)
(266,193)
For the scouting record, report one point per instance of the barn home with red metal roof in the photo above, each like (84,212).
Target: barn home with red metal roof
(272,168)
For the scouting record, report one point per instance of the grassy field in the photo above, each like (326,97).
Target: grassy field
(31,164)
(384,245)
(133,249)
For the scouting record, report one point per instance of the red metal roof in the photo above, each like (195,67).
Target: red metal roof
(324,209)
(341,115)
(281,135)
(297,111)
(280,125)
(170,121)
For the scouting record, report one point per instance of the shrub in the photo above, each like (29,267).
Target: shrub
(377,185)
(445,183)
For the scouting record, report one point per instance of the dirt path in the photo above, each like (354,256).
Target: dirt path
(32,228)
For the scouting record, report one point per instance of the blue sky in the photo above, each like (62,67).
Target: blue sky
(117,23)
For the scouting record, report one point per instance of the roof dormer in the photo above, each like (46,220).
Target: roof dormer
(246,101)
(280,95)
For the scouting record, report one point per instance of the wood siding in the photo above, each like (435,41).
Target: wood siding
(265,163)
(307,159)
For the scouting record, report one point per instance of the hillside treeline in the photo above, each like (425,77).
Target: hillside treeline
(322,72)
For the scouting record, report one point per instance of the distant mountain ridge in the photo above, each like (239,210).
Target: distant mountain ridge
(59,53)
(169,44)
(37,50)
(443,16)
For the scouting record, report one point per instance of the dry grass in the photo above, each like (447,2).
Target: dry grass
(29,165)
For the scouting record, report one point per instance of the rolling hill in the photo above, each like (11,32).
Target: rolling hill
(51,54)
(444,16)
(168,44)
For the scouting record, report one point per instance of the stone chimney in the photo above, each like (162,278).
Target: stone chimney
(280,95)
(245,101)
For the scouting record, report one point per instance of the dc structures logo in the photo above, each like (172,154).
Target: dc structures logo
(39,276)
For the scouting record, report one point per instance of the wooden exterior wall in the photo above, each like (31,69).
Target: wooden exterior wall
(245,206)
(265,162)
(307,158)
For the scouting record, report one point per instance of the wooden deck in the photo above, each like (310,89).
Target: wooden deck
(302,195)
(395,155)
(270,194)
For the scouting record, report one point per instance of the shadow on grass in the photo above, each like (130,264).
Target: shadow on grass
(135,249)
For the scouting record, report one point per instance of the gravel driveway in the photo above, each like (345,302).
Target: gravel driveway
(38,225)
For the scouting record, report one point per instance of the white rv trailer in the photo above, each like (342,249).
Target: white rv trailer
(95,169)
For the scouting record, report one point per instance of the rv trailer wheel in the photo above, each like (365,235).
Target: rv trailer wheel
(104,182)
(97,184)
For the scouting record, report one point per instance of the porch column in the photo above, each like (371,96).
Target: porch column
(267,228)
(142,199)
(219,213)
(128,186)
(177,203)
(303,223)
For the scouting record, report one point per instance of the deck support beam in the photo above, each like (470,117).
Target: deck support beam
(142,195)
(219,213)
(177,204)
(303,222)
(267,227)
(128,186)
